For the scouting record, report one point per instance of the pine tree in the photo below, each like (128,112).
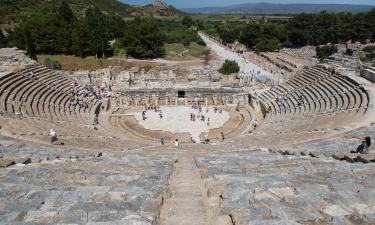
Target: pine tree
(30,47)
(3,40)
(97,26)
(65,12)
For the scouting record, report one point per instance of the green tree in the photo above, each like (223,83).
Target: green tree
(65,12)
(268,45)
(81,39)
(143,38)
(229,67)
(187,21)
(97,28)
(3,40)
(30,47)
(250,34)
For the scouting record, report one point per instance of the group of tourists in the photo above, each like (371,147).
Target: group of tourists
(149,107)
(83,96)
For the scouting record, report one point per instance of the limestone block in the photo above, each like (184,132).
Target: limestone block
(315,154)
(223,220)
(23,160)
(335,210)
(282,192)
(350,157)
(6,162)
(338,156)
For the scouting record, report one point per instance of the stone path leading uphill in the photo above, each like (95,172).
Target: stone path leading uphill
(187,204)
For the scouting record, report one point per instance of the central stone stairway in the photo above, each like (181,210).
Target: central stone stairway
(188,202)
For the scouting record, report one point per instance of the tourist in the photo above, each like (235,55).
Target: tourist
(144,115)
(254,124)
(160,115)
(206,139)
(301,96)
(176,143)
(53,135)
(363,148)
(208,121)
(162,141)
(222,136)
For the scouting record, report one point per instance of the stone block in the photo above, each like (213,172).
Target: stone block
(335,210)
(350,157)
(223,220)
(364,158)
(338,156)
(4,162)
(23,160)
(315,154)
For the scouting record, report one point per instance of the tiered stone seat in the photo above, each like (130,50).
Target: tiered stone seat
(103,189)
(324,93)
(342,144)
(258,187)
(39,92)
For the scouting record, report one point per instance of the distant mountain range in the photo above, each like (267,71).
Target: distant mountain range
(279,9)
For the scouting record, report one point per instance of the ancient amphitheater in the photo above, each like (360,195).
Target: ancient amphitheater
(109,167)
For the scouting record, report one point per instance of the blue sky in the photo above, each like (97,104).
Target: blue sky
(204,3)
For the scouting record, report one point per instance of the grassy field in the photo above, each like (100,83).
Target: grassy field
(196,50)
(174,50)
(68,62)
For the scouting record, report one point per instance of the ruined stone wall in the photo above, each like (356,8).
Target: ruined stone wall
(369,73)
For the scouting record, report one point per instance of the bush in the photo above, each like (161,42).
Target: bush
(52,64)
(369,49)
(229,67)
(324,51)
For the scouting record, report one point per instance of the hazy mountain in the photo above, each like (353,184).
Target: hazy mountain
(271,8)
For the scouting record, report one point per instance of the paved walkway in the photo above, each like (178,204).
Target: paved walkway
(176,119)
(246,67)
(188,203)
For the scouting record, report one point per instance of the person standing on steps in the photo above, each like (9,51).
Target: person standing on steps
(222,136)
(162,141)
(53,135)
(176,143)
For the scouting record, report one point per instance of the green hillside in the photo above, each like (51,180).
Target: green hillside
(16,10)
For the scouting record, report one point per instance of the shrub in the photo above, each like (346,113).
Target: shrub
(324,51)
(229,67)
(52,64)
(369,49)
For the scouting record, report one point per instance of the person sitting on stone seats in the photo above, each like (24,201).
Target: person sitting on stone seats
(363,148)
